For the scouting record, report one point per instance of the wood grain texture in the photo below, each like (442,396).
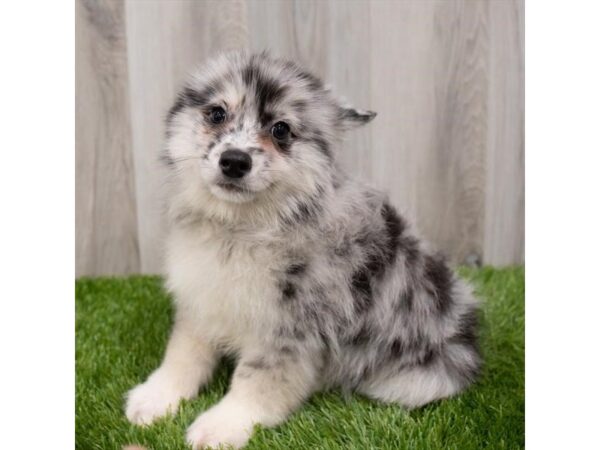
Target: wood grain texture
(106,231)
(349,72)
(429,81)
(455,161)
(445,76)
(402,81)
(505,174)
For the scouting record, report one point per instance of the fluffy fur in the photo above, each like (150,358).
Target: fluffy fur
(310,279)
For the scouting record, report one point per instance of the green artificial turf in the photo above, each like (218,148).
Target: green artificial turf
(122,325)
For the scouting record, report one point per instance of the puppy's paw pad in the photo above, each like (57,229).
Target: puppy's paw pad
(216,429)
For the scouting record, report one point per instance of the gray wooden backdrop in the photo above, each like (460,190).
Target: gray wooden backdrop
(445,76)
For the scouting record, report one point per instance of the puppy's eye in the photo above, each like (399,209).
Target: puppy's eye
(280,131)
(217,115)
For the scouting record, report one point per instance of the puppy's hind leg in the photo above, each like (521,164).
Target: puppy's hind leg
(188,363)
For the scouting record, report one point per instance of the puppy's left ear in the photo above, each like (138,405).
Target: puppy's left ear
(351,118)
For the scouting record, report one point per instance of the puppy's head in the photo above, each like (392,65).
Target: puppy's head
(251,128)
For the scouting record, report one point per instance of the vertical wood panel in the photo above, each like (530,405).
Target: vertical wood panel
(429,73)
(106,231)
(280,36)
(402,93)
(455,191)
(292,29)
(167,40)
(505,199)
(348,44)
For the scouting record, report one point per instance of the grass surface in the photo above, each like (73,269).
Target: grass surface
(122,326)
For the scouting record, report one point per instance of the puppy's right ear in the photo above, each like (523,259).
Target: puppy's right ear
(350,118)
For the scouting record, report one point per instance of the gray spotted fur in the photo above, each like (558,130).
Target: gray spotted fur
(356,295)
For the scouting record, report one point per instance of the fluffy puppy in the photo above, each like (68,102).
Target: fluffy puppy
(309,279)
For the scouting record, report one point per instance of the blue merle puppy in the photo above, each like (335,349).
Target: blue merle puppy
(310,279)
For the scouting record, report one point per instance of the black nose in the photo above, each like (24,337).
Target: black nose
(235,163)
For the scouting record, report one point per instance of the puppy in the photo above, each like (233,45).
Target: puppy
(311,280)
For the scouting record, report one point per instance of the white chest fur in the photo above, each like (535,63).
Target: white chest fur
(226,287)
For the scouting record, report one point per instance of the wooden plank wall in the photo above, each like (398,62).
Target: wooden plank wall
(105,200)
(445,76)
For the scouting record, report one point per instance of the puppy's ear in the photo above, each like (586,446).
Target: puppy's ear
(350,118)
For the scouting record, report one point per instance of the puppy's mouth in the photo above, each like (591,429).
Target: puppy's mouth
(232,191)
(230,186)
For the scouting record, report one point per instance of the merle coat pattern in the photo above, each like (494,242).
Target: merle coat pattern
(311,280)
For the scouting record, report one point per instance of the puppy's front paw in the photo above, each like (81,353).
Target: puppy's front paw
(153,399)
(224,425)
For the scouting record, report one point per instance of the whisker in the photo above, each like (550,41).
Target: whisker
(186,158)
